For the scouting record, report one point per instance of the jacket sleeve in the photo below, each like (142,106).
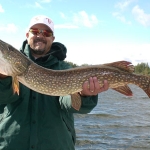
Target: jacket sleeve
(6,91)
(87,104)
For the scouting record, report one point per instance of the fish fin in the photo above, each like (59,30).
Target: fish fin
(123,65)
(124,90)
(15,85)
(76,101)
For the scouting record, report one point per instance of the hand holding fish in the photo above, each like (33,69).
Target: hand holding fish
(92,87)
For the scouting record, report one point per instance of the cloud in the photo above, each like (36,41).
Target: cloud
(63,15)
(10,28)
(120,17)
(67,26)
(37,5)
(78,20)
(136,53)
(141,16)
(1,9)
(137,12)
(123,5)
(83,19)
(121,8)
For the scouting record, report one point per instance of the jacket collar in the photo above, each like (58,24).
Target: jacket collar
(57,52)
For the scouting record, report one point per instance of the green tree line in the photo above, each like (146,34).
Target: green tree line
(140,68)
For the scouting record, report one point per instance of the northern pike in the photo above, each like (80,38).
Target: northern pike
(67,82)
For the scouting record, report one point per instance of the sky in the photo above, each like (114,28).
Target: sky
(94,31)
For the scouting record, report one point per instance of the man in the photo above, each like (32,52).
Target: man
(34,121)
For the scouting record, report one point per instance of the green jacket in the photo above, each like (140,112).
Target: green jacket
(33,121)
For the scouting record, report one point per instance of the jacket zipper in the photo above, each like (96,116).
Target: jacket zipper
(69,129)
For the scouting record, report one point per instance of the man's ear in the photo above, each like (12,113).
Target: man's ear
(27,35)
(53,38)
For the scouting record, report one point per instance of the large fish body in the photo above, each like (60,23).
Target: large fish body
(65,82)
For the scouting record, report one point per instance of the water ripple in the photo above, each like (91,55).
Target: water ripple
(116,123)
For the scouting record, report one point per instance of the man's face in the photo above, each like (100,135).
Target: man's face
(39,43)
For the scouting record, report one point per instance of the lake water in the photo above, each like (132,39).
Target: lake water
(117,123)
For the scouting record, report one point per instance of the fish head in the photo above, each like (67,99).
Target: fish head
(12,61)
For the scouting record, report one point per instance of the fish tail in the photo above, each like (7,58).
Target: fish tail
(147,91)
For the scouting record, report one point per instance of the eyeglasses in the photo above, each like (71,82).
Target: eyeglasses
(45,33)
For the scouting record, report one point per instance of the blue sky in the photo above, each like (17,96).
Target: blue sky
(94,31)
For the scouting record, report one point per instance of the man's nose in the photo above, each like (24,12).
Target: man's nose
(40,34)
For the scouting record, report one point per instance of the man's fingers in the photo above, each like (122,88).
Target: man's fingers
(91,85)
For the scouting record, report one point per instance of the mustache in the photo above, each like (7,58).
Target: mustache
(40,40)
